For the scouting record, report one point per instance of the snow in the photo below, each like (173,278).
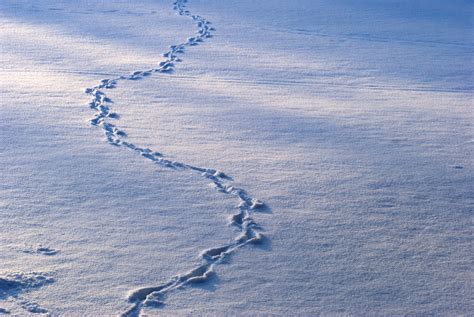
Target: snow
(311,157)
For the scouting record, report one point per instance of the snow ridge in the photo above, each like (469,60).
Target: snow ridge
(248,230)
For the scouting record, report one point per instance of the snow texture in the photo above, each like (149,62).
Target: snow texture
(351,121)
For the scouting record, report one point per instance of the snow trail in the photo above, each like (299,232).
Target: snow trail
(249,231)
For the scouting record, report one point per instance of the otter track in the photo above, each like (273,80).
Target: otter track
(249,231)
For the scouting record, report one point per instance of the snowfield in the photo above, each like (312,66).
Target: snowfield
(237,157)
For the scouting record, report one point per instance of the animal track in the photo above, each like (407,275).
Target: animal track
(249,231)
(13,284)
(40,249)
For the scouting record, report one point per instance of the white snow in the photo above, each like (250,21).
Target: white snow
(311,157)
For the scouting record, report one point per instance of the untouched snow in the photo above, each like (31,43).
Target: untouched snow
(347,123)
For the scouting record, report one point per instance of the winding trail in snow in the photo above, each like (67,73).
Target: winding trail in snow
(249,231)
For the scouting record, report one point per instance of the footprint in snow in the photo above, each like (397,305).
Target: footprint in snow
(42,250)
(12,285)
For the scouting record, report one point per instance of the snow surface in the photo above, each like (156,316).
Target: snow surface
(349,125)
